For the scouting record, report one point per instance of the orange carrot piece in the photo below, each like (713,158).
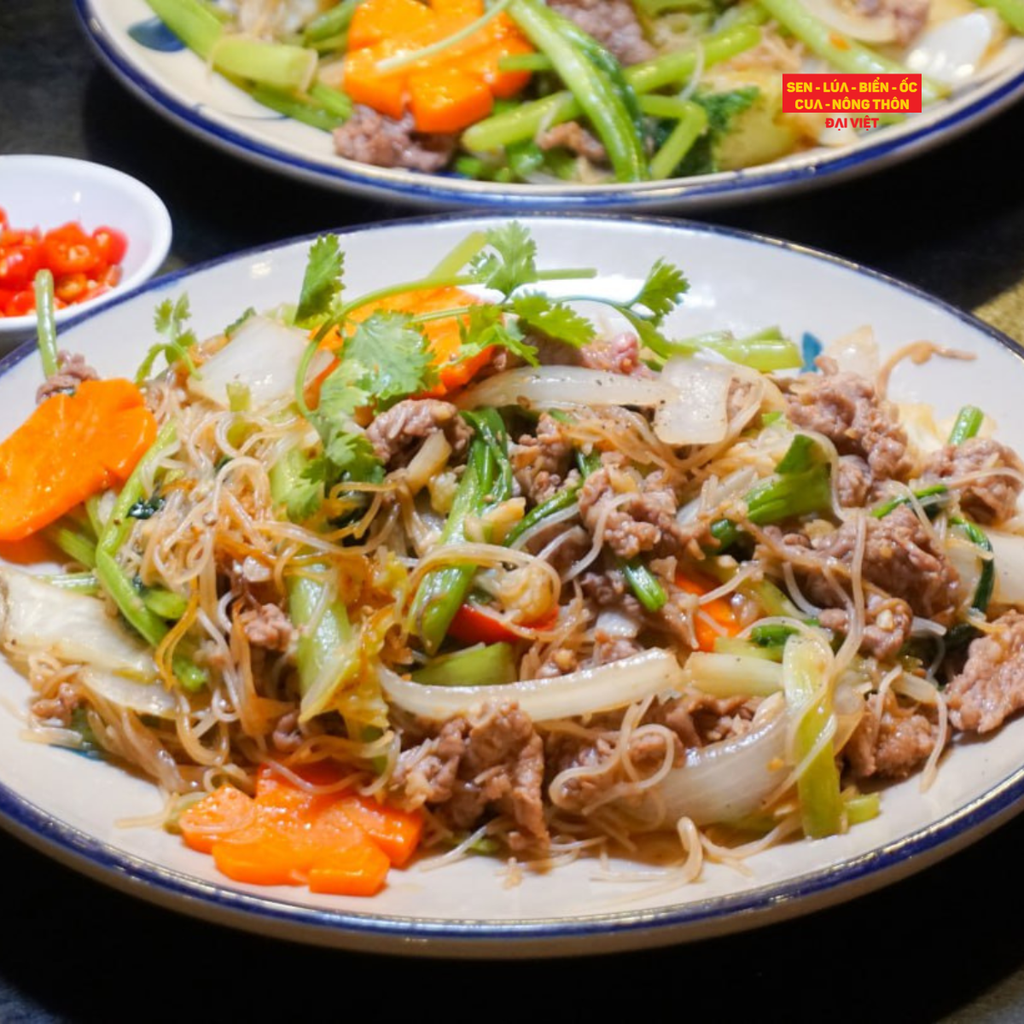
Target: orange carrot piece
(719,609)
(71,447)
(377,20)
(396,832)
(225,810)
(356,871)
(385,93)
(446,99)
(258,857)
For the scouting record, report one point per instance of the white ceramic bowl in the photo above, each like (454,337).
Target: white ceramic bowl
(47,191)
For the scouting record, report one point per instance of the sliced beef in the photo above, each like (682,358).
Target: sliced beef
(901,558)
(700,718)
(887,625)
(846,409)
(268,626)
(491,760)
(639,512)
(991,686)
(60,708)
(909,16)
(992,497)
(619,355)
(72,369)
(372,138)
(542,462)
(854,481)
(892,744)
(573,136)
(613,23)
(394,433)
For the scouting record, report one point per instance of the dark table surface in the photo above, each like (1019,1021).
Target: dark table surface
(946,944)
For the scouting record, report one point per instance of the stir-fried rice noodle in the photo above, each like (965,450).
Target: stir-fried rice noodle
(629,556)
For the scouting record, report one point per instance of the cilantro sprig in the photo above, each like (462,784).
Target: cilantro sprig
(170,320)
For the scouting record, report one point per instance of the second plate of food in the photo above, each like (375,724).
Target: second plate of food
(449,105)
(640,645)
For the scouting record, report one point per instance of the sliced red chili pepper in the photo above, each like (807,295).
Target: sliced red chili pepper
(18,265)
(111,244)
(67,257)
(71,287)
(21,303)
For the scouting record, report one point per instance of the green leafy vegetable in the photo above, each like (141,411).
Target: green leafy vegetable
(170,320)
(322,281)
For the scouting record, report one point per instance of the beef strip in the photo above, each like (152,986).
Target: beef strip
(492,759)
(890,745)
(620,354)
(372,138)
(854,481)
(901,558)
(645,521)
(991,686)
(268,626)
(846,409)
(613,23)
(394,433)
(992,498)
(909,16)
(887,624)
(72,369)
(573,136)
(542,462)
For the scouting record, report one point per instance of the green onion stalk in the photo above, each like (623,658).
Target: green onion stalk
(487,480)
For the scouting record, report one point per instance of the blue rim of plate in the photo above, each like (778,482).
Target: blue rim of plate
(738,186)
(831,884)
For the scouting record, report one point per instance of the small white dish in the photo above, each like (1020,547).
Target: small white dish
(47,191)
(75,809)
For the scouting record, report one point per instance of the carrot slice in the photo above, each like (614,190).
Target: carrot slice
(71,447)
(446,99)
(357,871)
(396,832)
(719,609)
(258,857)
(225,810)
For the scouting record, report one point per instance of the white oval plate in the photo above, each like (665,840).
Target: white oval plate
(69,806)
(177,84)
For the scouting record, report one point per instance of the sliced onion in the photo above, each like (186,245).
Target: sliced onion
(699,413)
(428,462)
(729,780)
(263,356)
(856,352)
(553,386)
(37,617)
(603,688)
(876,28)
(952,52)
(613,622)
(1008,549)
(142,698)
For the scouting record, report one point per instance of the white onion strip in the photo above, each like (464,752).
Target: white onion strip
(554,386)
(590,690)
(729,780)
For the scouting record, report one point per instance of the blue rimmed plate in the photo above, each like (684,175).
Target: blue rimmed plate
(74,809)
(179,86)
